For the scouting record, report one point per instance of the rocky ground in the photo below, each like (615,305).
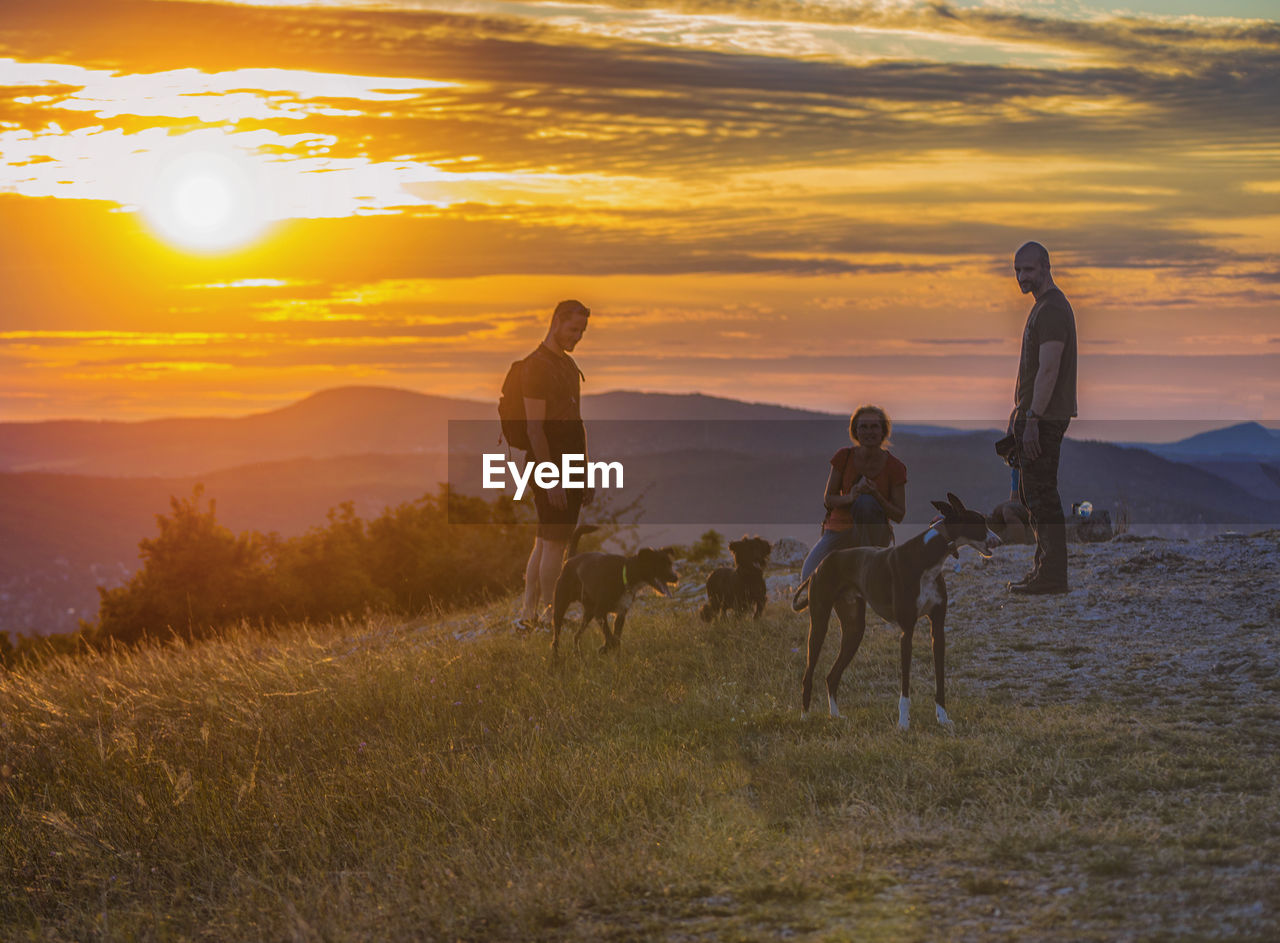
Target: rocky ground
(1146,618)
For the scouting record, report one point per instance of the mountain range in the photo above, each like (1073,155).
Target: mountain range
(76,496)
(1245,441)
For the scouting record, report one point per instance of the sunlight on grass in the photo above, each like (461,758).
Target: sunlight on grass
(380,781)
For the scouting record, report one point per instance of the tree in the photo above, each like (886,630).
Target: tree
(707,547)
(196,575)
(447,549)
(439,551)
(327,571)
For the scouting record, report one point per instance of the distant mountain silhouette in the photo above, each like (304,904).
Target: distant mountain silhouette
(1260,479)
(1246,440)
(345,421)
(727,464)
(1246,454)
(758,483)
(630,405)
(379,420)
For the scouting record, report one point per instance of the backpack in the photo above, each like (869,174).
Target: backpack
(515,430)
(511,408)
(1096,528)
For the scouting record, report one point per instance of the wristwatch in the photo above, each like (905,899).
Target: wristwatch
(1032,414)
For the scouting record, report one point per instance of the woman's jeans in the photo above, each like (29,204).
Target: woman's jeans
(870,529)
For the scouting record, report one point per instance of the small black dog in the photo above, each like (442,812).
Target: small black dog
(605,583)
(742,587)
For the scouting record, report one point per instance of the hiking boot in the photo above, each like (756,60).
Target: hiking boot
(1040,587)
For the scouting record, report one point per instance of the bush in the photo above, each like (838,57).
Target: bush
(196,575)
(437,552)
(325,572)
(707,547)
(447,550)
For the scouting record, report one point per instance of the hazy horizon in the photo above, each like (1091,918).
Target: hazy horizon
(1145,431)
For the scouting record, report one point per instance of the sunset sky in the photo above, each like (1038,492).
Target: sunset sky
(218,208)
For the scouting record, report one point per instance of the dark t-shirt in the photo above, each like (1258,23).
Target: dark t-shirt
(556,379)
(1051,319)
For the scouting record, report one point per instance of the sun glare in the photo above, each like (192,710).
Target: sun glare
(205,201)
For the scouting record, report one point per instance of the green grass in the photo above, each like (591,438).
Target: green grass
(377,782)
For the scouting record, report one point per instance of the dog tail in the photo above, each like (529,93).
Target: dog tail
(800,601)
(578,532)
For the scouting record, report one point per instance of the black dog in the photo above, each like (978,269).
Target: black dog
(742,587)
(605,583)
(902,584)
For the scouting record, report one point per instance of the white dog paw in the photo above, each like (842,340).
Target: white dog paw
(904,713)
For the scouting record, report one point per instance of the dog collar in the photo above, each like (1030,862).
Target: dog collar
(933,532)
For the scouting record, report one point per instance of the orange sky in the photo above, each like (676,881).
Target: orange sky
(212,208)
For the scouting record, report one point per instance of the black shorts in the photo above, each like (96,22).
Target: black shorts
(554,524)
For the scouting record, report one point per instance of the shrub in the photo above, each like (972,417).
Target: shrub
(196,575)
(707,547)
(326,571)
(437,552)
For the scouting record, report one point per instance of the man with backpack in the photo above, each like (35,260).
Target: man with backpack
(548,384)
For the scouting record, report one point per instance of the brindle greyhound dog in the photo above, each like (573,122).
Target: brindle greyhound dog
(902,583)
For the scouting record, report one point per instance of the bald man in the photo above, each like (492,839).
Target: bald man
(1044,404)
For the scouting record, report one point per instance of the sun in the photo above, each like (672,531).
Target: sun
(205,201)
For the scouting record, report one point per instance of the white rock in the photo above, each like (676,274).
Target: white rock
(788,551)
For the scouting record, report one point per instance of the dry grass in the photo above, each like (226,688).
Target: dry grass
(381,782)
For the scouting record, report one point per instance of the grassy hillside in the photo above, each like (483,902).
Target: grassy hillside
(444,781)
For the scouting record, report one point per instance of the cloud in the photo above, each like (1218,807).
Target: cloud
(118,266)
(558,130)
(534,96)
(878,184)
(1177,41)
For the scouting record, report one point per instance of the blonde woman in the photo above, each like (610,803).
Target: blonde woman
(866,490)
